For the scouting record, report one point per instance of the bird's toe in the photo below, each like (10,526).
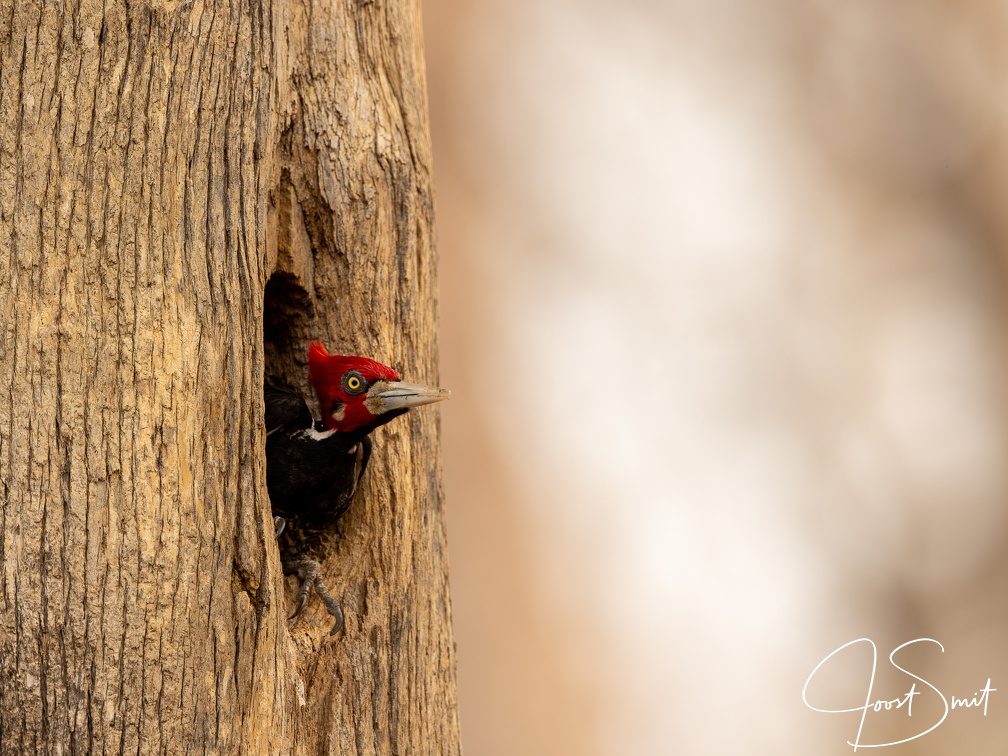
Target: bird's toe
(332,606)
(308,571)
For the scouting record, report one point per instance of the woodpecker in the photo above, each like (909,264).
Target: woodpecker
(313,467)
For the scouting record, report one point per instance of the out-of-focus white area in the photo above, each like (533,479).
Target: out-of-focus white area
(723,313)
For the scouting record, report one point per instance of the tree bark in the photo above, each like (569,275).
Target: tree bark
(160,162)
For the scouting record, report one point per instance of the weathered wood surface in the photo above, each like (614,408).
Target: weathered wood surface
(158,161)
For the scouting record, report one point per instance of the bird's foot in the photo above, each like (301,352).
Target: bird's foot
(310,573)
(279,523)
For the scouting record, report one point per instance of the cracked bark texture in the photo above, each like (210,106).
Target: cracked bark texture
(159,162)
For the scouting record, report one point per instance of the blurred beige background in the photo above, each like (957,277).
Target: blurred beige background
(724,315)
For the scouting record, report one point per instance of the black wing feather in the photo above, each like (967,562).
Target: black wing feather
(366,447)
(286,409)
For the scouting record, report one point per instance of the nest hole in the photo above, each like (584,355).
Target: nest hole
(287,315)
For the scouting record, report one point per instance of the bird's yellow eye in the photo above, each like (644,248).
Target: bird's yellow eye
(354,383)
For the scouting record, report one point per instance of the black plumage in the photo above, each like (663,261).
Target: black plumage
(311,473)
(311,476)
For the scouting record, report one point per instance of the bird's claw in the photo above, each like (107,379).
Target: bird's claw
(310,573)
(302,600)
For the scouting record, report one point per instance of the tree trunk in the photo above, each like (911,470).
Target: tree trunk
(159,164)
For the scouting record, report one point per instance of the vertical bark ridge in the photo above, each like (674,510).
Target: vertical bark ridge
(359,162)
(118,521)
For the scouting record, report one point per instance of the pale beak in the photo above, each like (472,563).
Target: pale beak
(396,395)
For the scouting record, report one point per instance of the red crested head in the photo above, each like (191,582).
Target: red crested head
(344,387)
(358,394)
